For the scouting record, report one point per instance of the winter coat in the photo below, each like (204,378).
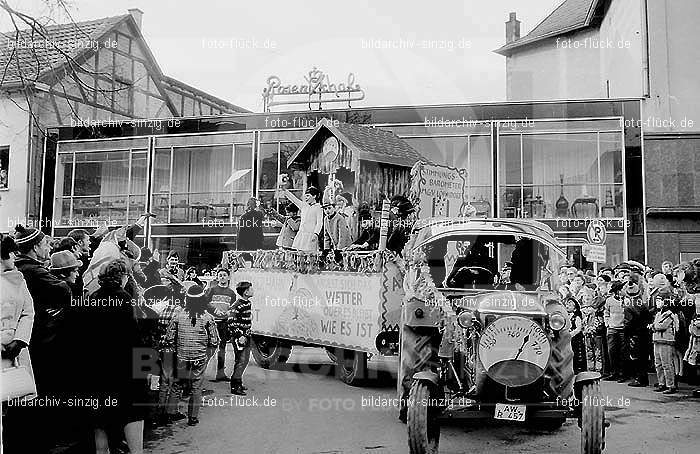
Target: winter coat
(52,300)
(250,231)
(151,271)
(665,327)
(613,313)
(636,317)
(692,354)
(336,234)
(109,366)
(17,313)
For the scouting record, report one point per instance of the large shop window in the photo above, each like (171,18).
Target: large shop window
(100,186)
(472,153)
(273,161)
(574,175)
(188,183)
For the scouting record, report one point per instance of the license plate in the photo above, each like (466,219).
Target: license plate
(510,412)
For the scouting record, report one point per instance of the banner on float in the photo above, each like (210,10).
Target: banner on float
(331,308)
(440,191)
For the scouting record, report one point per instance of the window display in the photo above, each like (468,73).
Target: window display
(575,175)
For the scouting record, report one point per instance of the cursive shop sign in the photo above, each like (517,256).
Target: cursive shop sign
(316,89)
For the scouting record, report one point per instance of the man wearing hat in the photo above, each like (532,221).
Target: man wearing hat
(51,297)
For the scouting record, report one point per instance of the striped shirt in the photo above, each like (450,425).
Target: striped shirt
(240,317)
(164,320)
(192,340)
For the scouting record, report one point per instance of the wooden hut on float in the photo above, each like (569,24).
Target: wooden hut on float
(371,163)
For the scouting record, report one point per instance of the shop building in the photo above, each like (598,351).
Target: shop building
(563,163)
(83,73)
(628,48)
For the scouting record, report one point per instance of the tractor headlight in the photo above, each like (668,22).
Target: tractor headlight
(465,319)
(557,321)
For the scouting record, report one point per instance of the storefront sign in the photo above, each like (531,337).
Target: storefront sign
(440,190)
(317,88)
(333,308)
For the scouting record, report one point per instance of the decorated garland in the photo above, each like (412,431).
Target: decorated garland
(310,262)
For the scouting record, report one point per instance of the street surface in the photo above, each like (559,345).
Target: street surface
(310,411)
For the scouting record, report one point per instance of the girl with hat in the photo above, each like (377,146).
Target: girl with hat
(307,238)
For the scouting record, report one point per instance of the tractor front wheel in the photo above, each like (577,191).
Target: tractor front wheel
(422,421)
(592,419)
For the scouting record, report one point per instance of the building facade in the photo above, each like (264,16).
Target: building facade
(79,73)
(628,48)
(564,163)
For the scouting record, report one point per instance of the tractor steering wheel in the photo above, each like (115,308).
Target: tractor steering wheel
(471,275)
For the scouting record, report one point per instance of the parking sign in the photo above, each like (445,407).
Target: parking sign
(596,232)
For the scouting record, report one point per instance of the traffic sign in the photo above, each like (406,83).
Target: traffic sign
(596,232)
(596,253)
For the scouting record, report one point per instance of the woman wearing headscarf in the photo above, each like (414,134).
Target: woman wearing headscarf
(112,373)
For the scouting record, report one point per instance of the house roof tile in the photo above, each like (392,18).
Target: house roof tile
(31,55)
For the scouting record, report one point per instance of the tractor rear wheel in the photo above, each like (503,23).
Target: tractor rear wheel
(351,366)
(270,352)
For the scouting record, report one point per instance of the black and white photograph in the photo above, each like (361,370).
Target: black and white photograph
(350,227)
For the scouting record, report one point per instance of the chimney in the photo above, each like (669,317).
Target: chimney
(512,29)
(137,14)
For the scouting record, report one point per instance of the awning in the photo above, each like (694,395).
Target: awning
(363,143)
(673,211)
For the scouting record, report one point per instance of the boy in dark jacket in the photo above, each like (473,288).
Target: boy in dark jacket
(239,325)
(637,317)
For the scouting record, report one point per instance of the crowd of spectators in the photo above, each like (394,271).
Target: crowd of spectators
(113,337)
(632,319)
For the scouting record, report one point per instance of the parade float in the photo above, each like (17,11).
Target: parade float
(347,302)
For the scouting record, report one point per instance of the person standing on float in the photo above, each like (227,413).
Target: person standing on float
(307,238)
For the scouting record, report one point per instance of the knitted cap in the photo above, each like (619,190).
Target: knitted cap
(27,236)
